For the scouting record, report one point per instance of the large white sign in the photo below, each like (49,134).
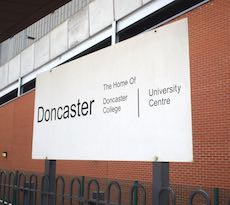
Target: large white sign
(130,101)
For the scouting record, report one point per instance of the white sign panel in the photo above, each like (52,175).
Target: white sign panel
(130,102)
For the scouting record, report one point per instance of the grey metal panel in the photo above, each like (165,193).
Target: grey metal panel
(4,51)
(11,48)
(66,11)
(78,27)
(123,8)
(41,51)
(58,40)
(27,60)
(3,75)
(58,16)
(14,69)
(20,41)
(39,30)
(46,24)
(17,42)
(0,54)
(145,1)
(51,21)
(71,8)
(100,15)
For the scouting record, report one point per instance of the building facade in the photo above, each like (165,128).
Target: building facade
(100,23)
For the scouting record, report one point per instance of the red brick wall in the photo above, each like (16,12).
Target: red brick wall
(16,127)
(209,32)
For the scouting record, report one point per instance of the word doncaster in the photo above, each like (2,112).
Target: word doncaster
(64,112)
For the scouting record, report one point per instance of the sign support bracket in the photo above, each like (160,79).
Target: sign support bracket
(50,171)
(160,179)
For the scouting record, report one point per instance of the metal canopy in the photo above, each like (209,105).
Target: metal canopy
(16,15)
